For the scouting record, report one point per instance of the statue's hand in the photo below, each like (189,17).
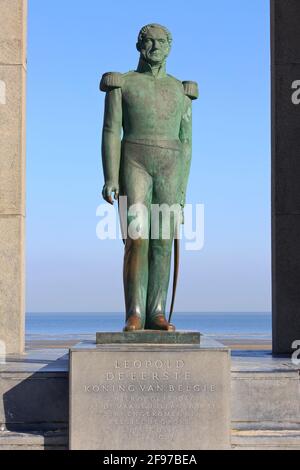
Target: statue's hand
(108,190)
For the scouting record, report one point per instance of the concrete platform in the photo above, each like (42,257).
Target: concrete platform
(34,391)
(265,392)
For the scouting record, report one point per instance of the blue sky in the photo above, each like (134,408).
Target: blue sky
(224,46)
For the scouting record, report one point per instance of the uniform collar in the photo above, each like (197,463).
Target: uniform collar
(144,67)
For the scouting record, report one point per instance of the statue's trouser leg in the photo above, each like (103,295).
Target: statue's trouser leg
(159,274)
(165,193)
(136,184)
(135,277)
(149,175)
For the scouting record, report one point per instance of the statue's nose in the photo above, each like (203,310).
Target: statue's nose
(155,44)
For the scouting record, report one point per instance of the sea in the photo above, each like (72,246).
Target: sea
(255,326)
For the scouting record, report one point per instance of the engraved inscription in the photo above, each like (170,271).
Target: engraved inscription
(159,396)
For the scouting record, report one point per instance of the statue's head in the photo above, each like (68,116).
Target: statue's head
(154,43)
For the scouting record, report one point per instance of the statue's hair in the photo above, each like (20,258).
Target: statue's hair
(145,29)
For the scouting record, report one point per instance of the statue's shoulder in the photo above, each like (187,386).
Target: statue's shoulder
(130,77)
(111,80)
(189,88)
(174,80)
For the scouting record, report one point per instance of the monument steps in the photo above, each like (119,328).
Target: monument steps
(265,440)
(240,440)
(34,440)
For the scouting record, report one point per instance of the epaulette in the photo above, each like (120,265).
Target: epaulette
(111,80)
(191,89)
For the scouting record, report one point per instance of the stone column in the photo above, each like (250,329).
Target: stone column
(12,172)
(285,40)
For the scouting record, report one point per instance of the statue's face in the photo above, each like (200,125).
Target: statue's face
(155,47)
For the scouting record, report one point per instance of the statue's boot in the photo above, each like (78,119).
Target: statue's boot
(159,322)
(133,323)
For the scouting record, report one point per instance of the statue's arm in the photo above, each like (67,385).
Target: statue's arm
(185,135)
(111,135)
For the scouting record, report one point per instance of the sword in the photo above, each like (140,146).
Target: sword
(120,215)
(176,269)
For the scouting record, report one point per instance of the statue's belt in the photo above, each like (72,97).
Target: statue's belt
(165,144)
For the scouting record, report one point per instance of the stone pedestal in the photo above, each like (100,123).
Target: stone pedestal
(12,173)
(150,397)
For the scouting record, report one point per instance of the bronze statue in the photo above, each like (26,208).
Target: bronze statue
(150,165)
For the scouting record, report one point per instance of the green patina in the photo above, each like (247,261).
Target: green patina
(146,154)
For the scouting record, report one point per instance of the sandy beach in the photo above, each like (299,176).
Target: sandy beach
(232,343)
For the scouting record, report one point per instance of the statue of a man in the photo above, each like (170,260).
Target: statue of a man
(150,165)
